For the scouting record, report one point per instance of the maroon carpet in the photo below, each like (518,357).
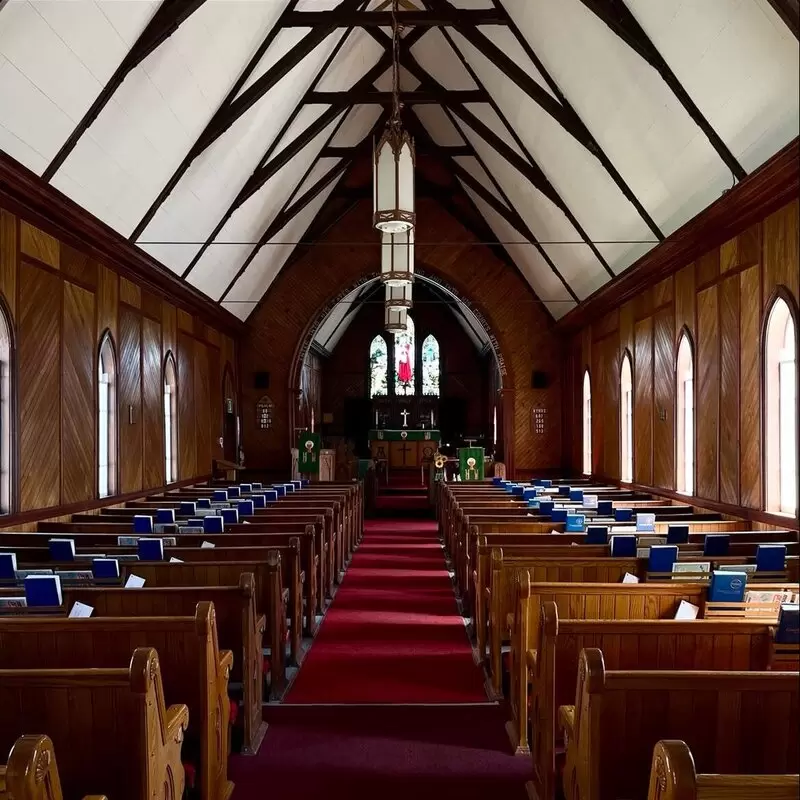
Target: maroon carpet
(392,634)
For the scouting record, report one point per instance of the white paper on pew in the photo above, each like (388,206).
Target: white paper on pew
(80,610)
(246,522)
(134,582)
(629,578)
(174,560)
(205,545)
(687,610)
(557,533)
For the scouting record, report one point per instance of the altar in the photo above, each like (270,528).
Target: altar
(404,448)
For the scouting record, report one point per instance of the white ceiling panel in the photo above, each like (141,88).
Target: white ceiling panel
(407,81)
(473,166)
(320,168)
(239,308)
(439,125)
(488,116)
(216,176)
(357,55)
(434,54)
(356,126)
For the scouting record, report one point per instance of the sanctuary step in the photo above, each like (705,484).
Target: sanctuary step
(403,493)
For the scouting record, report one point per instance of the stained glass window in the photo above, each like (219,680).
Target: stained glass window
(404,360)
(378,367)
(430,366)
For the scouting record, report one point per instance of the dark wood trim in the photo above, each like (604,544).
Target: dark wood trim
(339,18)
(41,514)
(428,96)
(772,186)
(23,193)
(789,12)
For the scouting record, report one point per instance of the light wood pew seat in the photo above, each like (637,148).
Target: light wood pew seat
(742,723)
(112,731)
(193,670)
(674,776)
(32,772)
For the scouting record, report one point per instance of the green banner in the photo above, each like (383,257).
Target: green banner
(308,447)
(470,463)
(406,434)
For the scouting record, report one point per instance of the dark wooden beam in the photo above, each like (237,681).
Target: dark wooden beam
(341,18)
(764,191)
(171,14)
(430,96)
(789,12)
(422,147)
(234,105)
(616,15)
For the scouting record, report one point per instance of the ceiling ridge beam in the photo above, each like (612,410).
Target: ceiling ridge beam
(410,98)
(263,169)
(596,150)
(334,173)
(621,21)
(383,19)
(169,16)
(565,209)
(223,117)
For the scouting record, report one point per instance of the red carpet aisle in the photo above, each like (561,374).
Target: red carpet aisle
(392,636)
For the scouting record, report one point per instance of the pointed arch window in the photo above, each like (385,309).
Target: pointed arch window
(265,410)
(378,368)
(106,418)
(626,418)
(587,423)
(404,367)
(170,420)
(430,366)
(6,387)
(781,412)
(684,429)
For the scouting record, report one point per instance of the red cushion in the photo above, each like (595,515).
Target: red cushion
(190,773)
(234,712)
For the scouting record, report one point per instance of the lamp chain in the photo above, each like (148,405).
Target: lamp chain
(396,28)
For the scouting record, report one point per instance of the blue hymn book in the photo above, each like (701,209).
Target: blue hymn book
(596,534)
(142,523)
(727,587)
(770,558)
(43,590)
(8,566)
(165,516)
(605,508)
(246,487)
(662,557)
(105,568)
(716,544)
(623,546)
(677,534)
(576,494)
(788,624)
(558,514)
(62,549)
(623,514)
(575,523)
(230,515)
(151,549)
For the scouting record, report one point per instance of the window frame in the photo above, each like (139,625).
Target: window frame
(626,420)
(389,361)
(111,466)
(8,411)
(438,393)
(586,430)
(171,463)
(685,344)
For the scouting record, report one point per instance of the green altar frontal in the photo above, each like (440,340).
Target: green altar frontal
(410,435)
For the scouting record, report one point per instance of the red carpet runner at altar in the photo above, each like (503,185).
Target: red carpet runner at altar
(392,636)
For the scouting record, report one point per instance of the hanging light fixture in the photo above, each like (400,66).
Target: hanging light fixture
(398,301)
(393,165)
(397,258)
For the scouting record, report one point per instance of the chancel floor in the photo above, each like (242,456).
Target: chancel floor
(389,699)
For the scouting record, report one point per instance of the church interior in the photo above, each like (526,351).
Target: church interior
(399,398)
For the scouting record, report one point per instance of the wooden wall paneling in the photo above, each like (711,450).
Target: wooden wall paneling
(662,292)
(185,321)
(130,293)
(643,304)
(169,330)
(750,389)
(215,401)
(107,303)
(600,420)
(202,408)
(664,399)
(152,305)
(78,451)
(39,316)
(129,399)
(742,251)
(152,405)
(729,390)
(77,266)
(707,394)
(211,336)
(708,267)
(187,434)
(685,296)
(8,260)
(39,245)
(781,265)
(643,402)
(610,417)
(626,328)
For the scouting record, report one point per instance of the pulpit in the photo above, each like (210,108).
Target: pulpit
(404,448)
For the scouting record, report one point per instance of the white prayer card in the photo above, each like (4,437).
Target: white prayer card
(205,545)
(687,610)
(628,578)
(134,582)
(174,560)
(80,610)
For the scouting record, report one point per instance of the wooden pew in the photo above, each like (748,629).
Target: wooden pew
(733,722)
(673,776)
(32,773)
(193,669)
(110,727)
(240,629)
(552,670)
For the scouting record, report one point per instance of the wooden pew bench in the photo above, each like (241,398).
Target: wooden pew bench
(111,728)
(742,723)
(32,773)
(552,670)
(193,669)
(673,776)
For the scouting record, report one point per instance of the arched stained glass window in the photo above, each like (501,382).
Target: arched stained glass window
(170,420)
(378,367)
(404,360)
(430,366)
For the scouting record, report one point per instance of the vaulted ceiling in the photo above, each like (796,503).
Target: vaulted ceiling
(570,135)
